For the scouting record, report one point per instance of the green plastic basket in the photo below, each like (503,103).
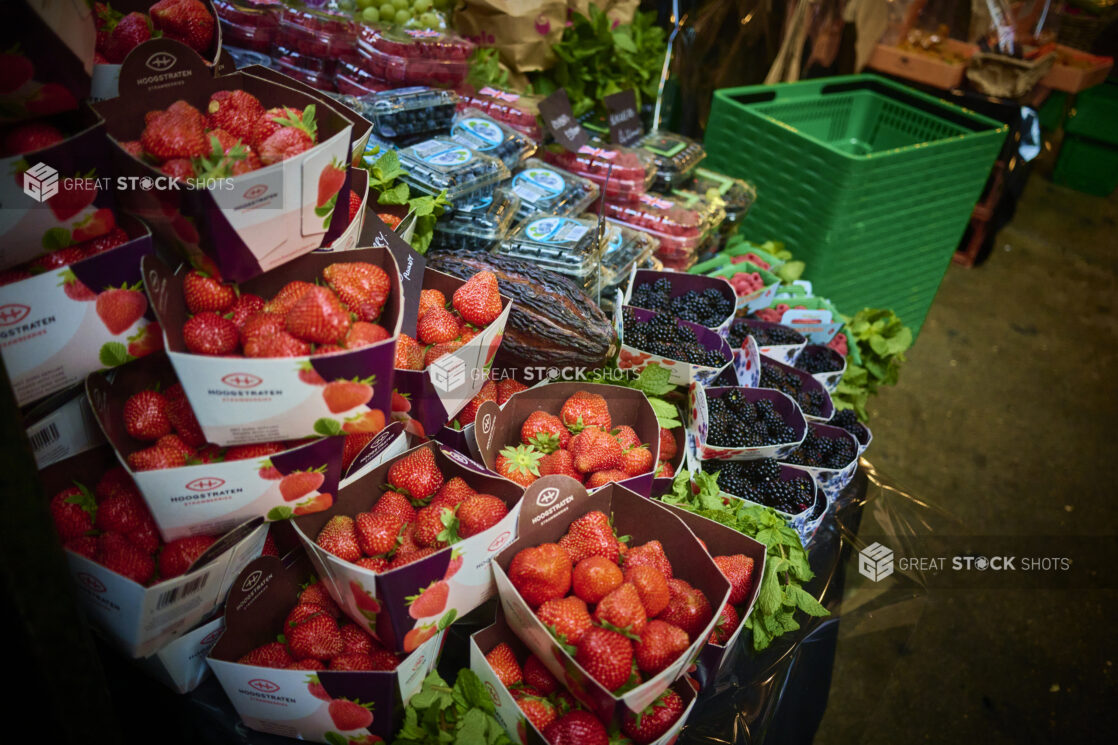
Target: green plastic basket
(1087,165)
(868,181)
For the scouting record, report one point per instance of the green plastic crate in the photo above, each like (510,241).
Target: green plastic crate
(867,180)
(1095,115)
(1087,165)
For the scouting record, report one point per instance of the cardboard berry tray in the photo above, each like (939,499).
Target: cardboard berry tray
(831,480)
(61,325)
(61,426)
(682,283)
(241,399)
(786,353)
(245,225)
(211,498)
(831,379)
(181,665)
(351,234)
(297,703)
(508,712)
(385,603)
(682,373)
(550,505)
(808,383)
(497,427)
(700,422)
(48,71)
(141,620)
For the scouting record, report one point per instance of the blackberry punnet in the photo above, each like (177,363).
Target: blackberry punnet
(848,420)
(759,481)
(812,403)
(765,336)
(663,336)
(707,307)
(815,360)
(735,422)
(823,452)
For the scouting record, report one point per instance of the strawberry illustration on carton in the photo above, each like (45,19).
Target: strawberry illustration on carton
(550,506)
(242,400)
(246,223)
(207,492)
(58,326)
(358,199)
(141,620)
(435,565)
(508,712)
(321,705)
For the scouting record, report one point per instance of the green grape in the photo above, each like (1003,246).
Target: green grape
(429,20)
(421,6)
(370,15)
(387,11)
(402,17)
(401,4)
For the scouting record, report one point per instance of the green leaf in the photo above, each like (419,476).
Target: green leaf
(279,513)
(472,729)
(328,427)
(56,238)
(473,691)
(769,596)
(447,619)
(114,354)
(398,194)
(333,738)
(666,414)
(654,380)
(806,602)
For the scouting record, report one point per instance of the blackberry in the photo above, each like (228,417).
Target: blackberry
(816,359)
(823,452)
(813,402)
(736,422)
(664,336)
(760,481)
(707,308)
(848,420)
(765,336)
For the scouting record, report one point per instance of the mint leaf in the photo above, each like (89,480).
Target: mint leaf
(473,691)
(327,426)
(398,194)
(654,380)
(805,601)
(114,354)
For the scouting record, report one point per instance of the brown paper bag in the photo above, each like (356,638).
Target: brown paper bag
(619,11)
(522,31)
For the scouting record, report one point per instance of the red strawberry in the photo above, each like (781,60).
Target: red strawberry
(296,135)
(539,677)
(210,334)
(188,21)
(343,395)
(261,326)
(738,569)
(272,654)
(416,475)
(567,618)
(317,637)
(578,727)
(453,565)
(436,351)
(112,481)
(453,493)
(8,276)
(541,573)
(119,308)
(622,608)
(664,470)
(479,300)
(636,461)
(727,623)
(661,643)
(584,409)
(488,392)
(479,513)
(653,721)
(155,458)
(403,558)
(268,124)
(649,554)
(354,205)
(651,585)
(145,341)
(175,133)
(606,655)
(183,421)
(688,608)
(130,32)
(307,665)
(300,484)
(330,182)
(409,354)
(377,533)
(601,478)
(74,288)
(363,333)
(174,442)
(146,537)
(178,555)
(414,638)
(51,98)
(353,446)
(428,527)
(72,510)
(394,503)
(627,436)
(318,317)
(316,593)
(506,387)
(560,463)
(145,416)
(121,556)
(372,421)
(203,292)
(29,137)
(122,512)
(235,112)
(519,464)
(73,196)
(539,711)
(255,450)
(503,661)
(429,299)
(431,601)
(17,72)
(58,259)
(286,298)
(280,344)
(594,449)
(590,535)
(244,307)
(349,715)
(339,537)
(87,545)
(595,577)
(544,431)
(667,444)
(117,236)
(438,325)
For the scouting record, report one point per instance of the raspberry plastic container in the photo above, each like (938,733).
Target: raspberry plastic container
(679,229)
(317,79)
(412,70)
(249,13)
(712,210)
(255,38)
(293,58)
(544,188)
(632,174)
(675,155)
(353,80)
(246,57)
(316,32)
(440,163)
(417,43)
(479,225)
(519,112)
(565,245)
(407,112)
(485,134)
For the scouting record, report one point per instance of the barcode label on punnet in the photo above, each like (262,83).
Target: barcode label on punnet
(182,591)
(40,440)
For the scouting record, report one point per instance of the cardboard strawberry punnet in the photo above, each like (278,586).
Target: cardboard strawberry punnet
(62,426)
(141,620)
(47,58)
(404,606)
(550,505)
(351,234)
(59,326)
(213,497)
(248,224)
(496,427)
(242,400)
(509,713)
(305,704)
(181,665)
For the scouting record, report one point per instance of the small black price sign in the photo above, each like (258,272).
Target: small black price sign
(560,121)
(625,126)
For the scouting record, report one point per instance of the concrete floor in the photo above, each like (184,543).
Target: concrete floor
(1004,417)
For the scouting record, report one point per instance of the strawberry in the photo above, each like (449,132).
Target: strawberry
(595,577)
(300,484)
(174,442)
(590,535)
(146,536)
(175,133)
(17,72)
(727,623)
(584,409)
(479,513)
(262,325)
(478,301)
(300,613)
(182,419)
(318,317)
(203,292)
(244,307)
(316,593)
(255,450)
(664,470)
(429,602)
(330,182)
(119,308)
(130,32)
(51,98)
(120,556)
(541,573)
(429,299)
(112,481)
(622,608)
(8,276)
(627,436)
(343,395)
(594,449)
(295,136)
(363,334)
(377,533)
(519,464)
(339,537)
(369,422)
(738,569)
(403,558)
(503,661)
(72,510)
(286,298)
(280,344)
(122,512)
(687,608)
(86,545)
(147,340)
(349,715)
(601,478)
(353,446)
(268,124)
(506,387)
(650,554)
(58,259)
(373,563)
(651,585)
(653,721)
(272,654)
(560,463)
(29,137)
(636,461)
(178,555)
(488,392)
(235,112)
(409,354)
(606,656)
(145,416)
(354,205)
(117,236)
(188,21)
(438,325)
(667,444)
(394,503)
(73,196)
(321,349)
(453,493)
(317,637)
(428,526)
(544,431)
(539,711)
(415,475)
(577,727)
(307,665)
(210,334)
(436,351)
(539,677)
(155,458)
(567,618)
(661,643)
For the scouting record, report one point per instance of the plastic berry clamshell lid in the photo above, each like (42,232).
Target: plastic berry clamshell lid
(680,230)
(738,195)
(713,211)
(480,224)
(485,134)
(545,188)
(412,70)
(567,245)
(412,111)
(675,155)
(353,80)
(322,80)
(417,43)
(318,32)
(624,249)
(440,163)
(519,111)
(291,57)
(632,170)
(247,13)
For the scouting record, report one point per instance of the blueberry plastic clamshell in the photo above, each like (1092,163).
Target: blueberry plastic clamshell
(568,245)
(830,379)
(682,373)
(831,480)
(700,422)
(624,251)
(480,224)
(544,187)
(808,383)
(786,353)
(386,106)
(681,284)
(441,163)
(478,131)
(676,157)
